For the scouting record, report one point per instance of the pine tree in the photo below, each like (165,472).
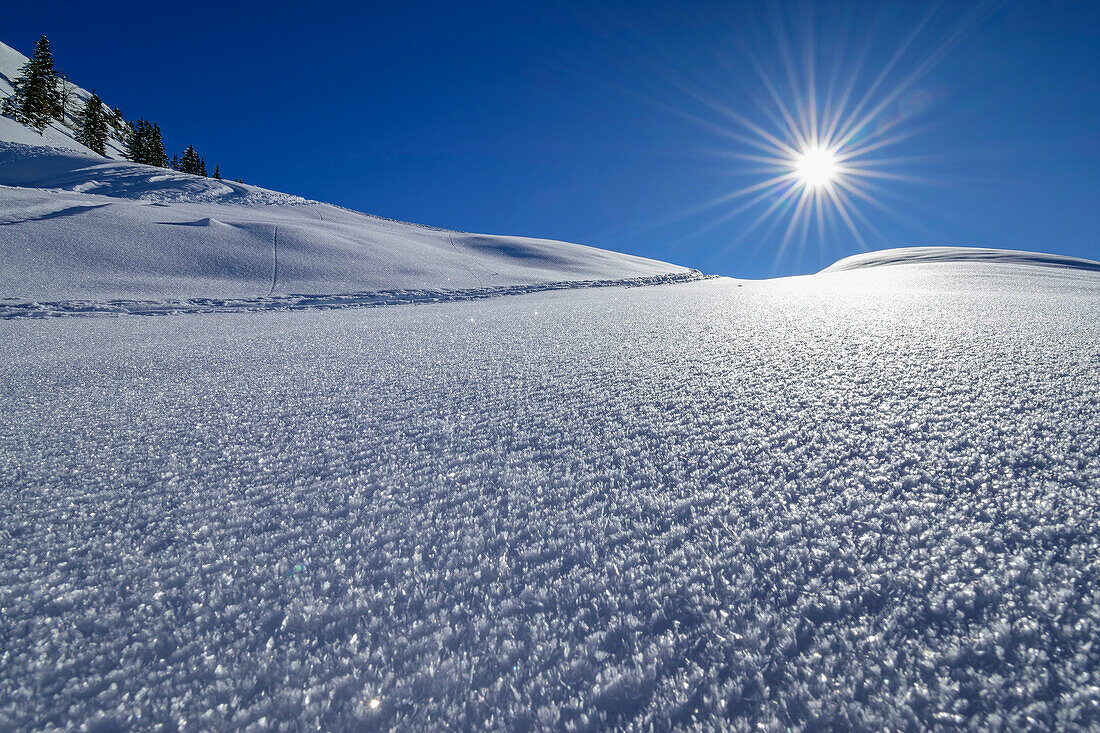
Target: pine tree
(36,98)
(157,156)
(137,140)
(145,144)
(92,125)
(217,172)
(190,162)
(125,137)
(175,165)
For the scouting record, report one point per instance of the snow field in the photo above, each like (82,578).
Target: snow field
(857,500)
(77,228)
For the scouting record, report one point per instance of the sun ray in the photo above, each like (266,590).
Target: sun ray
(842,210)
(819,201)
(884,73)
(787,57)
(748,157)
(803,197)
(792,125)
(853,76)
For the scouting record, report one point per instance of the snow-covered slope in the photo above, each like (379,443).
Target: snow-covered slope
(74,227)
(838,502)
(58,134)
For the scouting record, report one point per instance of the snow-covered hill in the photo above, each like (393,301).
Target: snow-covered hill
(57,134)
(75,226)
(959,255)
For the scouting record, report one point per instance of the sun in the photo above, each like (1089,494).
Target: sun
(816,167)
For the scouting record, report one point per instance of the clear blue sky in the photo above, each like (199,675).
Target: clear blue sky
(617,123)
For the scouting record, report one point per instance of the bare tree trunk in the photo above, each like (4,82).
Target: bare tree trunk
(68,91)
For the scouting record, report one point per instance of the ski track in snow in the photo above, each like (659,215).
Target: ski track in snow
(274,259)
(810,504)
(57,309)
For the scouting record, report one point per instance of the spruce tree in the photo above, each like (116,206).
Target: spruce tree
(145,144)
(36,98)
(175,165)
(92,125)
(132,141)
(217,172)
(157,156)
(137,141)
(190,162)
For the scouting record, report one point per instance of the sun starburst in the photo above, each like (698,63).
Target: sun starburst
(815,148)
(816,166)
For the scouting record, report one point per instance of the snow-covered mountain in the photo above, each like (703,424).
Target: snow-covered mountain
(75,226)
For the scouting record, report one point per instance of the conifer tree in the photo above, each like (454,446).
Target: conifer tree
(145,144)
(92,125)
(125,136)
(217,172)
(157,156)
(175,165)
(36,98)
(190,162)
(136,141)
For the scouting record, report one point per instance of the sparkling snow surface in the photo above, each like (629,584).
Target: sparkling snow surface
(866,499)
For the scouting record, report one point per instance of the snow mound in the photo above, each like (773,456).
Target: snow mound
(57,168)
(77,227)
(937,255)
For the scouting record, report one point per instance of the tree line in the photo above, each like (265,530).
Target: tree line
(42,94)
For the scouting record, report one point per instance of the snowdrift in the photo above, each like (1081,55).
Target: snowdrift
(959,255)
